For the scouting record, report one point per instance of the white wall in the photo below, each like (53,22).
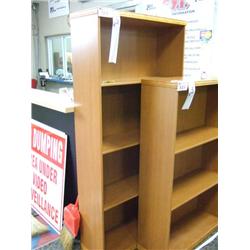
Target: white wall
(49,27)
(34,41)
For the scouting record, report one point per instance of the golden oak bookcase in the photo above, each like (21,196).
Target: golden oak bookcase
(178,165)
(108,120)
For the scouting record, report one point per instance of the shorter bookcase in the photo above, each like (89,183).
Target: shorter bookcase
(178,165)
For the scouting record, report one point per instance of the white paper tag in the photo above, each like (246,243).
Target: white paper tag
(114,38)
(190,96)
(182,85)
(116,23)
(106,12)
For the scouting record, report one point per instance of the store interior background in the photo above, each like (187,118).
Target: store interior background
(43,26)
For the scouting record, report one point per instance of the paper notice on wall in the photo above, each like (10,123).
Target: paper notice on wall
(199,55)
(58,8)
(48,163)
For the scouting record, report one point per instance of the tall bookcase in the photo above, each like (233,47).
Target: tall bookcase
(107,118)
(178,165)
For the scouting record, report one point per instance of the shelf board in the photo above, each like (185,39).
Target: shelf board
(123,237)
(120,83)
(192,185)
(171,82)
(194,138)
(120,192)
(120,141)
(190,231)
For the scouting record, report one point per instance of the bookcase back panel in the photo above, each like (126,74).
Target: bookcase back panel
(121,214)
(187,162)
(209,201)
(120,164)
(212,106)
(143,51)
(136,53)
(120,109)
(170,52)
(210,156)
(206,202)
(195,116)
(184,210)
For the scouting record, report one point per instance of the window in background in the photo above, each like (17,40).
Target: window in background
(60,56)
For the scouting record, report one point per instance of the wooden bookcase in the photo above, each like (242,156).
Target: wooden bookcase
(178,165)
(107,118)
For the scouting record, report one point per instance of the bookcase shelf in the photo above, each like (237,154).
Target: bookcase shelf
(192,185)
(120,83)
(195,137)
(191,230)
(120,191)
(112,143)
(123,237)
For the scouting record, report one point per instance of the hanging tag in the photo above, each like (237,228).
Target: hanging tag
(116,23)
(190,96)
(106,12)
(182,85)
(114,38)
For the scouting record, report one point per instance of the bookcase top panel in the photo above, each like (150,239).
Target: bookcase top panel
(171,82)
(133,18)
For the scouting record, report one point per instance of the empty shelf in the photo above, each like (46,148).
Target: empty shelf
(192,185)
(194,138)
(123,237)
(190,231)
(120,141)
(120,191)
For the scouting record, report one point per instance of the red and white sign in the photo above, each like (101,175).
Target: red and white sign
(48,161)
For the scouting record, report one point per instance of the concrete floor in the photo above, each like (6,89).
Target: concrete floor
(57,246)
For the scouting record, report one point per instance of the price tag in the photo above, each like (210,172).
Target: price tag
(190,96)
(106,12)
(182,85)
(114,38)
(116,24)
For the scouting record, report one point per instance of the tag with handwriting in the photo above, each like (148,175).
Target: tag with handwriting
(116,23)
(182,85)
(106,12)
(114,38)
(190,96)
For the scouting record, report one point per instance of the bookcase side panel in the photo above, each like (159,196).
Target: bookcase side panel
(85,36)
(158,133)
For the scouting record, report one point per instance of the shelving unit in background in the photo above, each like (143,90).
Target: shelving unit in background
(178,165)
(107,118)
